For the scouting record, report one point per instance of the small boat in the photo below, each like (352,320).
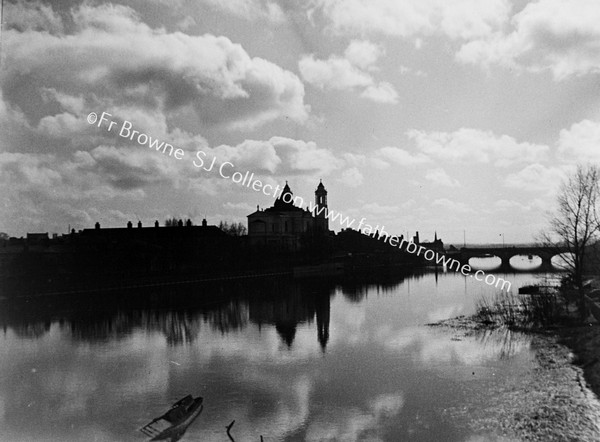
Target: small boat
(174,422)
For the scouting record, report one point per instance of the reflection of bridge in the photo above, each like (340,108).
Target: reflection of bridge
(506,253)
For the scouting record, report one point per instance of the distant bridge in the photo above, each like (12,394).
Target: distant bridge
(506,253)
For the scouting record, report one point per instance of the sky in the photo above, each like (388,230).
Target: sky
(458,117)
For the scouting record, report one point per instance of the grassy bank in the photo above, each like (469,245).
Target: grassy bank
(522,312)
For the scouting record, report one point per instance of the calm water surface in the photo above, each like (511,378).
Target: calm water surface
(287,360)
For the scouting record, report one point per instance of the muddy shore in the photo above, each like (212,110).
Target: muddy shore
(557,400)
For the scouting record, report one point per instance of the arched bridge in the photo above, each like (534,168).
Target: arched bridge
(506,253)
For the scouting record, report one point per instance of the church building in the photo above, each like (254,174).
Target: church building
(284,223)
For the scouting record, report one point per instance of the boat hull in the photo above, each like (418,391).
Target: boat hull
(177,428)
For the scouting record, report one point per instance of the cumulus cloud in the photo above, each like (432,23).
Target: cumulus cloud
(536,178)
(440,177)
(334,73)
(40,189)
(363,54)
(400,156)
(59,66)
(351,177)
(112,54)
(350,72)
(459,19)
(580,143)
(383,92)
(561,36)
(280,156)
(104,172)
(31,16)
(476,145)
(250,9)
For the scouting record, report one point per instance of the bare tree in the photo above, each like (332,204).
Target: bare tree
(574,225)
(233,229)
(171,222)
(174,222)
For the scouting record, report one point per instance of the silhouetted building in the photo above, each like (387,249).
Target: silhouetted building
(284,223)
(147,233)
(437,245)
(35,238)
(321,219)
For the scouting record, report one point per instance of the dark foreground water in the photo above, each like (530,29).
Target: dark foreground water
(286,360)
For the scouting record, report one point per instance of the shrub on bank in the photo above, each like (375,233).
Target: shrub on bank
(522,310)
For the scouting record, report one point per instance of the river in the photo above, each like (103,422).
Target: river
(288,360)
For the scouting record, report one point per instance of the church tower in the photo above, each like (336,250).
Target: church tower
(321,221)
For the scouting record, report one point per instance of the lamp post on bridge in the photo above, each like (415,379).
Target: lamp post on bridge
(502,235)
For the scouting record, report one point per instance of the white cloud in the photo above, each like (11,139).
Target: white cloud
(351,72)
(404,70)
(250,9)
(113,55)
(440,177)
(382,93)
(536,178)
(304,157)
(257,156)
(363,54)
(401,156)
(186,23)
(44,190)
(557,35)
(475,145)
(280,156)
(379,163)
(464,19)
(580,143)
(31,16)
(355,159)
(333,73)
(351,177)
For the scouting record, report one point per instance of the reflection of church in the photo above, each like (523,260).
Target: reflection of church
(299,306)
(284,223)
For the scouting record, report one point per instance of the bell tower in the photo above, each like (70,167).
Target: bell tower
(321,219)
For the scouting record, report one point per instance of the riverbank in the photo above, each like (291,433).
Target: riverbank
(585,343)
(553,401)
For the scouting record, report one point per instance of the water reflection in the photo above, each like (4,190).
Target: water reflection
(313,360)
(525,262)
(505,342)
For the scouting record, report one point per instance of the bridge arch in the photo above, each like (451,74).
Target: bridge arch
(527,262)
(485,262)
(505,254)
